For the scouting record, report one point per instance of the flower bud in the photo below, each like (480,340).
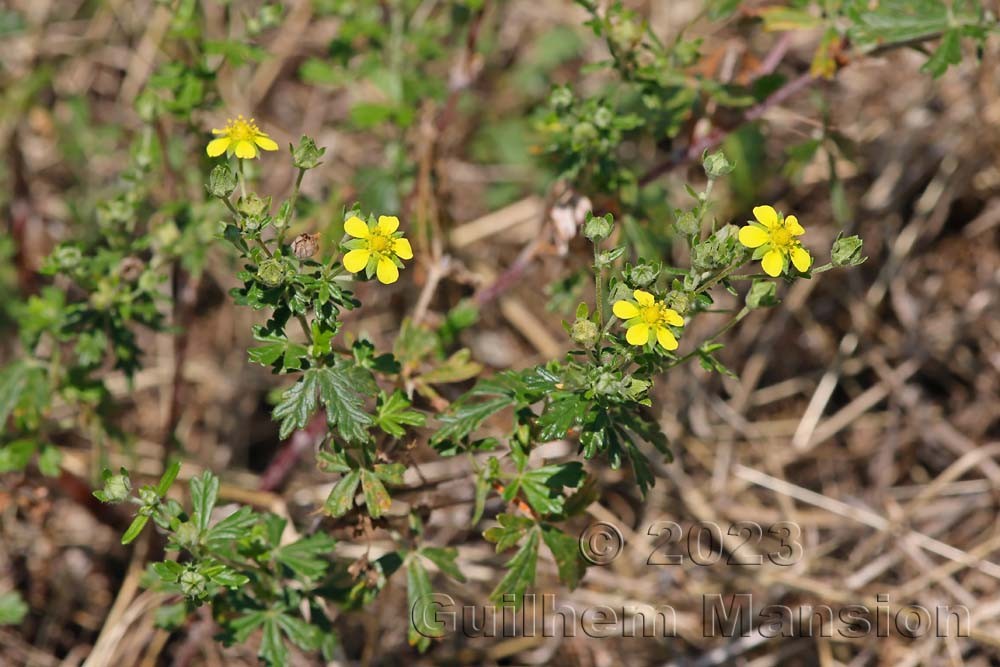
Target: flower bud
(598,228)
(253,206)
(584,332)
(221,181)
(847,251)
(270,272)
(307,154)
(716,164)
(130,268)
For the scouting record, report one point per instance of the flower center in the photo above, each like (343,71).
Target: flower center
(652,314)
(241,129)
(781,238)
(380,244)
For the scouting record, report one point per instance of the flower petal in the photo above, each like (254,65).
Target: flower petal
(753,236)
(387,224)
(773,263)
(793,226)
(402,248)
(387,272)
(217,147)
(801,258)
(215,131)
(665,338)
(356,227)
(245,149)
(625,310)
(766,215)
(644,298)
(265,142)
(356,260)
(638,334)
(673,318)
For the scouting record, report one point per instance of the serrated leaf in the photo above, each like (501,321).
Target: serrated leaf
(393,414)
(520,574)
(377,499)
(272,649)
(509,531)
(297,405)
(204,492)
(543,487)
(563,412)
(466,417)
(341,498)
(307,556)
(231,528)
(419,603)
(167,478)
(444,558)
(345,407)
(566,552)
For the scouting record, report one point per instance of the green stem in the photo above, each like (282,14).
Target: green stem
(291,206)
(243,178)
(599,297)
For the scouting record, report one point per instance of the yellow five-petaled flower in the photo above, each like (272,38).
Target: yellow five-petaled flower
(241,137)
(646,315)
(773,236)
(376,248)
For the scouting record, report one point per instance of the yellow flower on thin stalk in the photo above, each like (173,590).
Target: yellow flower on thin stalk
(774,239)
(376,248)
(241,137)
(646,316)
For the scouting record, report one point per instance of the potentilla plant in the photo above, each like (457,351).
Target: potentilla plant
(598,397)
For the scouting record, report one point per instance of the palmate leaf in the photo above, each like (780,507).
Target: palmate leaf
(419,603)
(393,414)
(341,389)
(307,556)
(543,487)
(377,498)
(466,417)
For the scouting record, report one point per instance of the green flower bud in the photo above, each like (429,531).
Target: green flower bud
(584,333)
(642,275)
(116,488)
(253,206)
(271,272)
(603,117)
(598,228)
(584,133)
(687,223)
(561,97)
(187,534)
(67,257)
(607,384)
(221,181)
(716,164)
(307,154)
(193,584)
(847,251)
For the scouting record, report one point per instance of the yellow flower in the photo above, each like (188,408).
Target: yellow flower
(774,238)
(647,315)
(376,248)
(242,137)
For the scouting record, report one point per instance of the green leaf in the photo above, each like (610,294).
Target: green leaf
(167,479)
(419,602)
(509,532)
(894,21)
(297,405)
(566,552)
(12,381)
(307,557)
(339,389)
(302,634)
(393,414)
(341,498)
(272,649)
(543,487)
(135,528)
(170,617)
(444,558)
(520,574)
(466,417)
(49,460)
(16,455)
(204,492)
(230,529)
(12,608)
(846,251)
(377,499)
(564,411)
